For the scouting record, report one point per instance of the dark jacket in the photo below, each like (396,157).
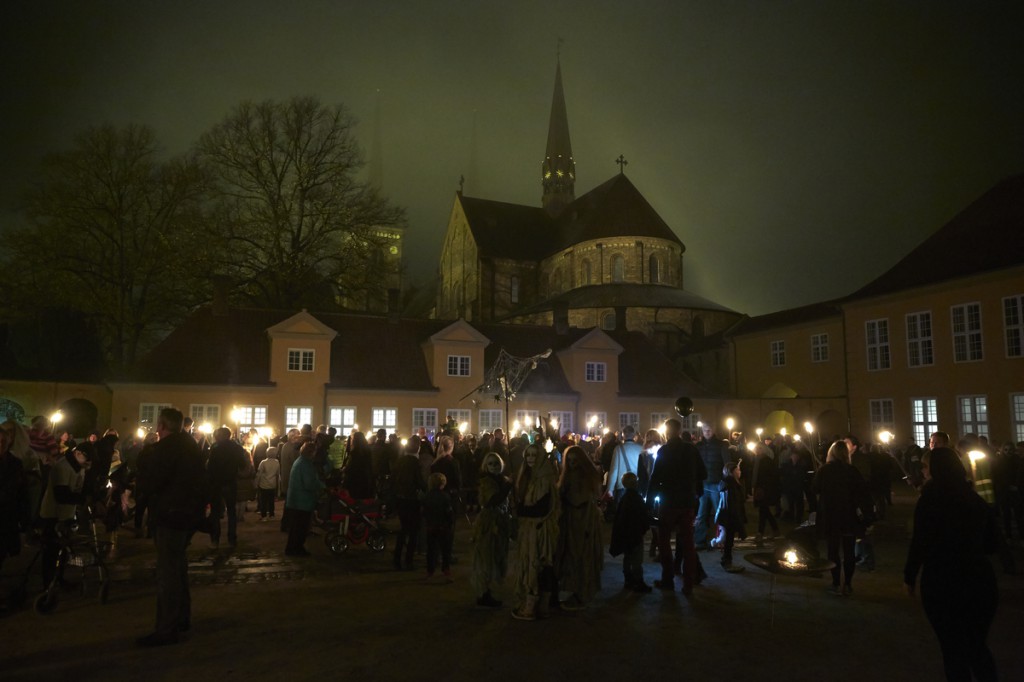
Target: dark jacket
(841,492)
(14,503)
(176,483)
(450,468)
(678,476)
(437,510)
(630,524)
(733,513)
(407,478)
(714,453)
(227,458)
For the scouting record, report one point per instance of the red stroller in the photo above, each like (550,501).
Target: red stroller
(350,522)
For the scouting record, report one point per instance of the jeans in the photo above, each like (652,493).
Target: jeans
(705,513)
(680,521)
(173,600)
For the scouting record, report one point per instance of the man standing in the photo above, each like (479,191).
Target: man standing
(677,480)
(713,453)
(861,461)
(227,459)
(625,460)
(175,480)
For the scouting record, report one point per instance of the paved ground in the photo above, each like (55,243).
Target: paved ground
(260,615)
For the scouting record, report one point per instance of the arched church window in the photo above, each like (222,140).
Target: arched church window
(513,289)
(654,268)
(618,268)
(608,321)
(585,272)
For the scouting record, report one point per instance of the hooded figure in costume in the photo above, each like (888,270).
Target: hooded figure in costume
(538,513)
(491,530)
(581,543)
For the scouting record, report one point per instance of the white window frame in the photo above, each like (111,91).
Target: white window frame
(1017,416)
(523,415)
(150,412)
(819,347)
(629,419)
(343,418)
(599,426)
(968,343)
(205,413)
(384,418)
(972,412)
(459,365)
(778,350)
(691,421)
(425,417)
(924,419)
(566,421)
(1013,327)
(461,416)
(920,342)
(658,419)
(488,420)
(882,415)
(295,416)
(876,344)
(595,372)
(250,416)
(301,359)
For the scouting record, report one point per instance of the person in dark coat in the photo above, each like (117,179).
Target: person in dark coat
(408,487)
(359,468)
(766,487)
(227,459)
(732,513)
(628,530)
(953,531)
(841,491)
(14,499)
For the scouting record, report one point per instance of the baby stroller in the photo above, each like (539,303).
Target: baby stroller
(350,522)
(79,547)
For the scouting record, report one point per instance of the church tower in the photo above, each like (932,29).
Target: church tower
(558,172)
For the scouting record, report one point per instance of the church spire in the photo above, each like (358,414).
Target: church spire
(558,172)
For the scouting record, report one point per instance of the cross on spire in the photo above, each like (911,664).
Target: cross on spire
(622,164)
(462,182)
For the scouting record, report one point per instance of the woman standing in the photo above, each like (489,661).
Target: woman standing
(580,545)
(953,531)
(304,486)
(839,487)
(491,530)
(766,490)
(537,532)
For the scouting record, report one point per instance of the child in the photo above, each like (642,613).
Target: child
(628,530)
(438,516)
(731,512)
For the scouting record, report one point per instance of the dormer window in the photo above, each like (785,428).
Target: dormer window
(458,365)
(596,371)
(300,360)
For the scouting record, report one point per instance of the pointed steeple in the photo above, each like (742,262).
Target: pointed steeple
(558,172)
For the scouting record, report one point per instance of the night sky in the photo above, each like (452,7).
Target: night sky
(798,149)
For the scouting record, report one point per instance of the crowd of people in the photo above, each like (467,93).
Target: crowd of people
(548,496)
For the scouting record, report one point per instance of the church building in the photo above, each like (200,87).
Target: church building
(604,259)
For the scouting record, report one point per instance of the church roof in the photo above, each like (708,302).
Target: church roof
(630,295)
(987,235)
(503,230)
(613,209)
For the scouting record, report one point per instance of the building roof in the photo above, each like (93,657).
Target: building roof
(503,230)
(376,352)
(614,208)
(987,235)
(630,295)
(786,318)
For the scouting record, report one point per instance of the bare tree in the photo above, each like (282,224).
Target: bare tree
(299,227)
(113,232)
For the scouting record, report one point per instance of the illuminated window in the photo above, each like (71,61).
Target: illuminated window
(877,334)
(342,418)
(458,365)
(462,417)
(148,412)
(425,417)
(595,371)
(1017,415)
(565,421)
(778,353)
(973,414)
(384,418)
(658,419)
(300,360)
(1013,323)
(527,418)
(202,414)
(594,422)
(924,416)
(295,417)
(920,350)
(967,332)
(250,416)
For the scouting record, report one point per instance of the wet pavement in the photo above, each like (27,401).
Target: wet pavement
(261,615)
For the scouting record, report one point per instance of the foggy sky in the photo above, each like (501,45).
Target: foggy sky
(798,149)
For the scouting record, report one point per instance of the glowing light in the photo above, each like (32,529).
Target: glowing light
(791,557)
(355,427)
(549,446)
(462,427)
(662,429)
(759,431)
(140,433)
(796,437)
(56,417)
(700,425)
(516,426)
(405,441)
(554,424)
(885,437)
(975,455)
(593,422)
(751,445)
(729,423)
(536,423)
(605,431)
(783,431)
(206,427)
(236,415)
(809,428)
